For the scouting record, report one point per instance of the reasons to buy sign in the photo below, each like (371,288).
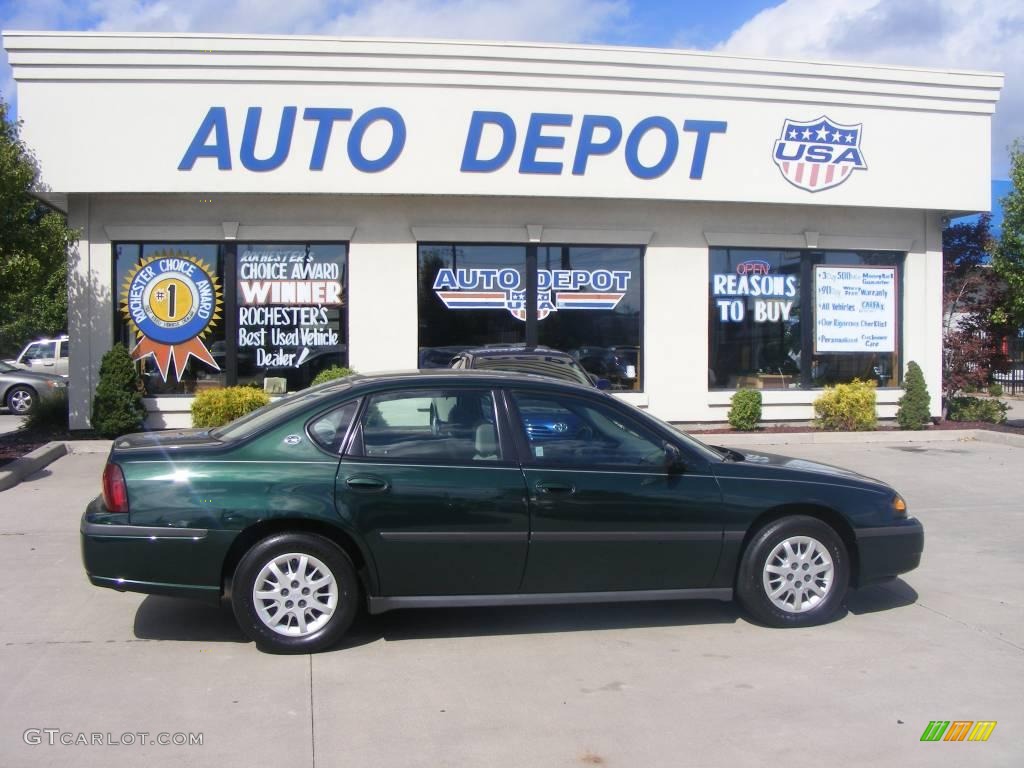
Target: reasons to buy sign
(855,309)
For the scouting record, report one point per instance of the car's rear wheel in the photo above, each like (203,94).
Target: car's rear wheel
(295,593)
(794,573)
(21,400)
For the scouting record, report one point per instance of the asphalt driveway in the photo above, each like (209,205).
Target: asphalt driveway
(665,684)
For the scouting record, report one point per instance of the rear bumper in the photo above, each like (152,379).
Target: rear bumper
(888,551)
(179,562)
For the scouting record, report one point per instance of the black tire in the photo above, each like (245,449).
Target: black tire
(21,400)
(753,593)
(248,615)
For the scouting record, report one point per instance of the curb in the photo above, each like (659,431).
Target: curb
(825,438)
(30,463)
(45,455)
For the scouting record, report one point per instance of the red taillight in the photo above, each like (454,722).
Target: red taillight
(115,490)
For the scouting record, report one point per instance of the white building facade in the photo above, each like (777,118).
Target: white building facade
(684,224)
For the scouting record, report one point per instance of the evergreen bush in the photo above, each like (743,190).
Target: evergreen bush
(117,407)
(332,373)
(847,407)
(914,410)
(217,407)
(745,412)
(995,389)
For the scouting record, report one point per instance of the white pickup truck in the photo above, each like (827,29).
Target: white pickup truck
(44,356)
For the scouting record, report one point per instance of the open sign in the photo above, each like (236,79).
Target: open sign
(753,267)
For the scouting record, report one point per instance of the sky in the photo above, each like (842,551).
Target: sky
(950,34)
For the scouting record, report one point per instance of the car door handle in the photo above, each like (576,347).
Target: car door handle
(562,489)
(366,483)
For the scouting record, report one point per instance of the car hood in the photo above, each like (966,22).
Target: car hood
(772,462)
(166,439)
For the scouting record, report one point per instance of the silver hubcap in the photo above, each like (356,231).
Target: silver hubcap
(21,401)
(295,594)
(798,574)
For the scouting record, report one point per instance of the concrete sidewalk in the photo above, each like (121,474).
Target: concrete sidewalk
(667,684)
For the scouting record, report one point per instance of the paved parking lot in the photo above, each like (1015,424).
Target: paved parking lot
(667,684)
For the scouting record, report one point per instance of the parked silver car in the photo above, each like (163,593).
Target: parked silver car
(21,390)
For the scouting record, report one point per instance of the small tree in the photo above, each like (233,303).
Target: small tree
(745,412)
(914,411)
(117,407)
(972,319)
(1008,259)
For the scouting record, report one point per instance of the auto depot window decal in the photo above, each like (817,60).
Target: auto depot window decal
(586,301)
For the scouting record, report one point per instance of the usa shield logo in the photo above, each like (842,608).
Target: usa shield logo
(819,154)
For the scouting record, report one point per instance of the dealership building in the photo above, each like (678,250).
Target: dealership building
(684,224)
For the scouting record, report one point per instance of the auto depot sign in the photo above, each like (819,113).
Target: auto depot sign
(309,116)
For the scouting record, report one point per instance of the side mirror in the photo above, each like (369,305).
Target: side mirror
(674,463)
(603,384)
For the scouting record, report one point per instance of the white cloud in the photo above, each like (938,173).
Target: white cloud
(950,34)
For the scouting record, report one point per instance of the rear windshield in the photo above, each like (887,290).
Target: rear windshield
(279,410)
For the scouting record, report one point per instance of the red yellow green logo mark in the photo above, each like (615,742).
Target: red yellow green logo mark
(958,730)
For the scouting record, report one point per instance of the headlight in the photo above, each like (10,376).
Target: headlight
(56,384)
(899,506)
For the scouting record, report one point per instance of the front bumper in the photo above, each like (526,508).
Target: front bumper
(179,562)
(887,551)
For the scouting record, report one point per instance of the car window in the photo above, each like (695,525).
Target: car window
(40,351)
(562,430)
(444,426)
(63,350)
(329,430)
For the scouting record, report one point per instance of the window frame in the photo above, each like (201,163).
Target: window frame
(531,331)
(809,259)
(227,252)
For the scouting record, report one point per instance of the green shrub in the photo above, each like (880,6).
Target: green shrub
(332,373)
(117,407)
(995,389)
(914,410)
(977,409)
(847,407)
(50,414)
(745,412)
(217,407)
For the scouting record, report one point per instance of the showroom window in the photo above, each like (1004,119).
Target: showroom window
(202,315)
(781,319)
(584,300)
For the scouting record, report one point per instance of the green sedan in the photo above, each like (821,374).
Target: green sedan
(466,488)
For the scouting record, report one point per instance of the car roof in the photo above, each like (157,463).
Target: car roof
(449,376)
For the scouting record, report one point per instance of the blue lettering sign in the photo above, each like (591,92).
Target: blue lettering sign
(471,162)
(535,140)
(284,140)
(215,122)
(587,147)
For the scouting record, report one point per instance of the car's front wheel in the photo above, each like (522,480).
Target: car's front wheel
(21,400)
(794,573)
(295,593)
